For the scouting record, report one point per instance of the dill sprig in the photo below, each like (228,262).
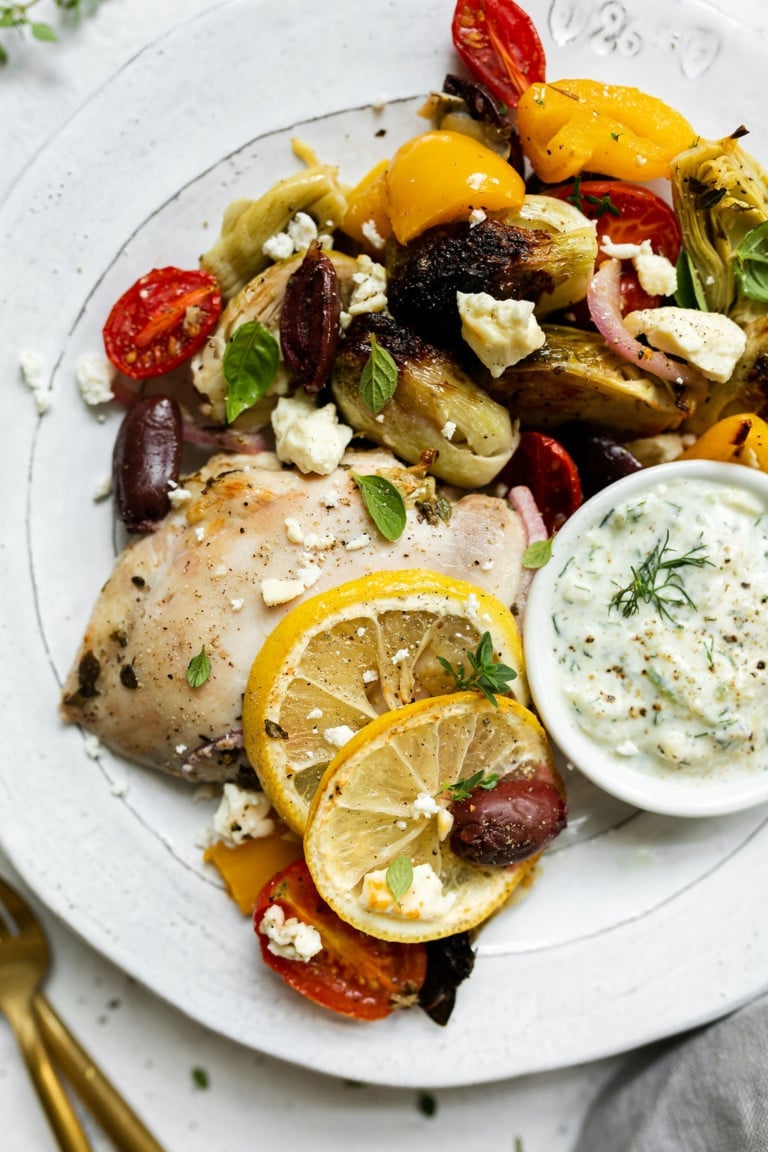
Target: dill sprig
(658,581)
(486,675)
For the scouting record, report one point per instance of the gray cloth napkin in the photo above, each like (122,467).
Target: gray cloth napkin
(705,1093)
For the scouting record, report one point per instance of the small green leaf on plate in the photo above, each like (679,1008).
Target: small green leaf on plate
(384,504)
(198,669)
(399,876)
(751,263)
(249,366)
(42,32)
(378,380)
(690,293)
(536,555)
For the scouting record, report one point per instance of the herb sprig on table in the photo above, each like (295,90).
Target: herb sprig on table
(20,17)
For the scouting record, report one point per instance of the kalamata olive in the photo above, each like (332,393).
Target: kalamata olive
(146,457)
(508,823)
(450,960)
(600,460)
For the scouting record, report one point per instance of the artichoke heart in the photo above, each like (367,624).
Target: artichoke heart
(576,377)
(436,407)
(719,193)
(237,255)
(747,389)
(261,299)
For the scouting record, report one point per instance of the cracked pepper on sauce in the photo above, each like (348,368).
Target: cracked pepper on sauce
(661,630)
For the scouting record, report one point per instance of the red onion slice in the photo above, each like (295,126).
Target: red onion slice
(521,499)
(603,300)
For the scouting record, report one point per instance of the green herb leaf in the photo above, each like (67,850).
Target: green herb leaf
(751,263)
(198,669)
(249,366)
(427,1104)
(384,503)
(536,555)
(603,204)
(689,293)
(399,877)
(658,581)
(42,32)
(378,379)
(200,1078)
(486,676)
(463,789)
(3,55)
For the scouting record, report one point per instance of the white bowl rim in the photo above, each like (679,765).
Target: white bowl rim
(672,796)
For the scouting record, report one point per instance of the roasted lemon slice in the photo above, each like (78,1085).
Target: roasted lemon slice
(342,658)
(378,835)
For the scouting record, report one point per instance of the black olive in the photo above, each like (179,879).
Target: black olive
(508,823)
(146,458)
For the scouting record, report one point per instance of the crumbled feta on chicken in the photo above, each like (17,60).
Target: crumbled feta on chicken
(500,332)
(424,900)
(709,341)
(370,290)
(242,815)
(292,938)
(309,437)
(94,375)
(657,275)
(274,592)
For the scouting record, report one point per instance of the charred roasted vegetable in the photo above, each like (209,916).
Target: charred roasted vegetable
(237,255)
(262,300)
(575,377)
(435,405)
(747,389)
(720,193)
(575,239)
(525,263)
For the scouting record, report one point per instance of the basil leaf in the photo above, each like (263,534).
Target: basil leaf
(399,876)
(249,366)
(384,503)
(690,293)
(198,669)
(378,380)
(751,263)
(536,555)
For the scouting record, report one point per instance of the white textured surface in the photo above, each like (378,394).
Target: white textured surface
(147,1047)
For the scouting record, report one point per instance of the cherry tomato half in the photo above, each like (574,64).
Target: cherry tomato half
(161,321)
(354,974)
(543,465)
(500,46)
(626,214)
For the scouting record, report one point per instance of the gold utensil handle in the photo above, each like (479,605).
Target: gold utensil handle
(58,1107)
(116,1117)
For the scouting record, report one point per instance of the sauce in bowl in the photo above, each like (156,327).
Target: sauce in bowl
(646,638)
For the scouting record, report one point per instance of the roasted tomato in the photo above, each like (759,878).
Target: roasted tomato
(354,974)
(161,321)
(543,465)
(500,46)
(626,214)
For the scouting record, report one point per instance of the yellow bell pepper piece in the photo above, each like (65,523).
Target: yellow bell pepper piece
(741,439)
(246,868)
(573,126)
(440,177)
(367,202)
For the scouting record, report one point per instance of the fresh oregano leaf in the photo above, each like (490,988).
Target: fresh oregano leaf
(42,32)
(689,292)
(384,504)
(378,380)
(751,263)
(399,877)
(198,669)
(537,554)
(249,366)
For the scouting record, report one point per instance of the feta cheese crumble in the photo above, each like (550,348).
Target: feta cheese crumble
(340,736)
(274,592)
(94,375)
(370,290)
(657,275)
(709,341)
(424,900)
(309,437)
(242,815)
(31,368)
(501,333)
(292,938)
(297,237)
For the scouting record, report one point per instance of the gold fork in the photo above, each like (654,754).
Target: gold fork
(24,961)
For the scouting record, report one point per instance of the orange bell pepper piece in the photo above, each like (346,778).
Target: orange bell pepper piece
(440,177)
(367,202)
(247,868)
(741,439)
(573,126)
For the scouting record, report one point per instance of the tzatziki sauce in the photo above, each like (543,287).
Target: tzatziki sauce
(660,625)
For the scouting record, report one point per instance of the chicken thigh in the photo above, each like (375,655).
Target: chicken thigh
(245,541)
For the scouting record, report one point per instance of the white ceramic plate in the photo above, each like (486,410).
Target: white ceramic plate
(640,925)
